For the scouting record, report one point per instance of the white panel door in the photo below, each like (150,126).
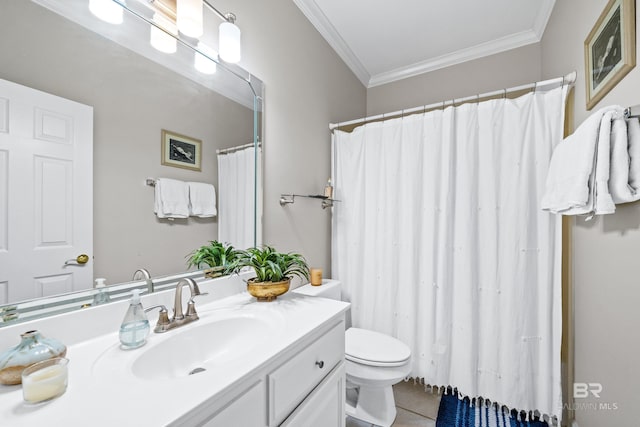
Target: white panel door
(46,193)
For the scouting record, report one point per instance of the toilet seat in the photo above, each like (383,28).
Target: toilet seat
(375,349)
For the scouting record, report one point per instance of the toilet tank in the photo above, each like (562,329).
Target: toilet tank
(329,289)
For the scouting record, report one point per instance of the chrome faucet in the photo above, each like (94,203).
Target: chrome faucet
(179,318)
(191,307)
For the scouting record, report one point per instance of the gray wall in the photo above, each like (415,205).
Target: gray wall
(133,99)
(507,69)
(307,87)
(606,250)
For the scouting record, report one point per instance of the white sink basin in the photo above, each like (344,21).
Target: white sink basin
(207,344)
(217,340)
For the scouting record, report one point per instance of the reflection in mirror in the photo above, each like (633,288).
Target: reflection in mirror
(132,93)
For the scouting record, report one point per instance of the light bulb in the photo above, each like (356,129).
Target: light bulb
(107,10)
(230,42)
(202,63)
(190,16)
(161,40)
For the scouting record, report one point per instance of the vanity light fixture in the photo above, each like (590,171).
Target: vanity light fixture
(230,39)
(108,10)
(203,63)
(164,38)
(189,18)
(186,16)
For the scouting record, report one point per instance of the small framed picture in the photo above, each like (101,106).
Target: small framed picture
(610,49)
(181,151)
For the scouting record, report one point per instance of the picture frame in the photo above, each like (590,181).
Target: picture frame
(610,49)
(181,151)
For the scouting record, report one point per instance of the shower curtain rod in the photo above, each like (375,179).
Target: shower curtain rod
(238,148)
(568,79)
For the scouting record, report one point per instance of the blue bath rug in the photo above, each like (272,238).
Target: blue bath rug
(454,412)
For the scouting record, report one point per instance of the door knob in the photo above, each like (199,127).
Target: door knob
(79,260)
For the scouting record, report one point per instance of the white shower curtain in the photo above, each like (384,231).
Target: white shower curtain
(236,197)
(439,240)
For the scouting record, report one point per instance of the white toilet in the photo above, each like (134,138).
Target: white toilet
(374,363)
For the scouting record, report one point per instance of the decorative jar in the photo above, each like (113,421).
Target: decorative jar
(32,348)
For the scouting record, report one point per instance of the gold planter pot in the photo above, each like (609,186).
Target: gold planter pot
(267,291)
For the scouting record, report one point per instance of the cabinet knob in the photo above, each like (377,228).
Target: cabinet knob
(320,364)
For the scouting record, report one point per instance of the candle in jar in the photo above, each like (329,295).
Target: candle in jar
(40,383)
(316,276)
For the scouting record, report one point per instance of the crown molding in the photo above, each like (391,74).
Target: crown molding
(314,14)
(479,51)
(320,21)
(544,13)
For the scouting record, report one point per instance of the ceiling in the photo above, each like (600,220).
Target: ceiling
(383,41)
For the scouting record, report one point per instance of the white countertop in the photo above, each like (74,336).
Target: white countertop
(103,391)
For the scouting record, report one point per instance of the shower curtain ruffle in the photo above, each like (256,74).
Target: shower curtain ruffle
(519,414)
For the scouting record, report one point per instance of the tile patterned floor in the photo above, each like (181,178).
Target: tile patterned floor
(415,407)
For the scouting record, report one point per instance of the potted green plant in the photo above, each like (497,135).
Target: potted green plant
(216,255)
(274,271)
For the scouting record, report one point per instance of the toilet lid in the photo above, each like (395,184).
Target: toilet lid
(374,349)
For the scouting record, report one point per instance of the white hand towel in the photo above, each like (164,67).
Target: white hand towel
(577,180)
(202,199)
(625,161)
(171,198)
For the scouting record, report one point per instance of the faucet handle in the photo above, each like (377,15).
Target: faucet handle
(162,325)
(191,310)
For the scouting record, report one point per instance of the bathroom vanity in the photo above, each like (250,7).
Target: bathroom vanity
(243,363)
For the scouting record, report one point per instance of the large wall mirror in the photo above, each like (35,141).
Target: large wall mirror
(135,92)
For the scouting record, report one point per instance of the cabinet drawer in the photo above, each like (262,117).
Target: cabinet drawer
(295,379)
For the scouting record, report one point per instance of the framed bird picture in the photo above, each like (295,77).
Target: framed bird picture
(181,151)
(610,49)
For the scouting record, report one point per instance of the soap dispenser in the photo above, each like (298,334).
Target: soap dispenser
(135,325)
(102,296)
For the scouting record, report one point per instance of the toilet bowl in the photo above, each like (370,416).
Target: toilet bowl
(374,362)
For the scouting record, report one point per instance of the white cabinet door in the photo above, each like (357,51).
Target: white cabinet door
(46,193)
(324,407)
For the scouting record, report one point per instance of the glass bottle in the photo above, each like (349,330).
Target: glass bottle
(33,347)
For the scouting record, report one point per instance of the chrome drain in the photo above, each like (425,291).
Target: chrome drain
(196,371)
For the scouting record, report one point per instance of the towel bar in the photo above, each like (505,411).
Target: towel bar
(631,112)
